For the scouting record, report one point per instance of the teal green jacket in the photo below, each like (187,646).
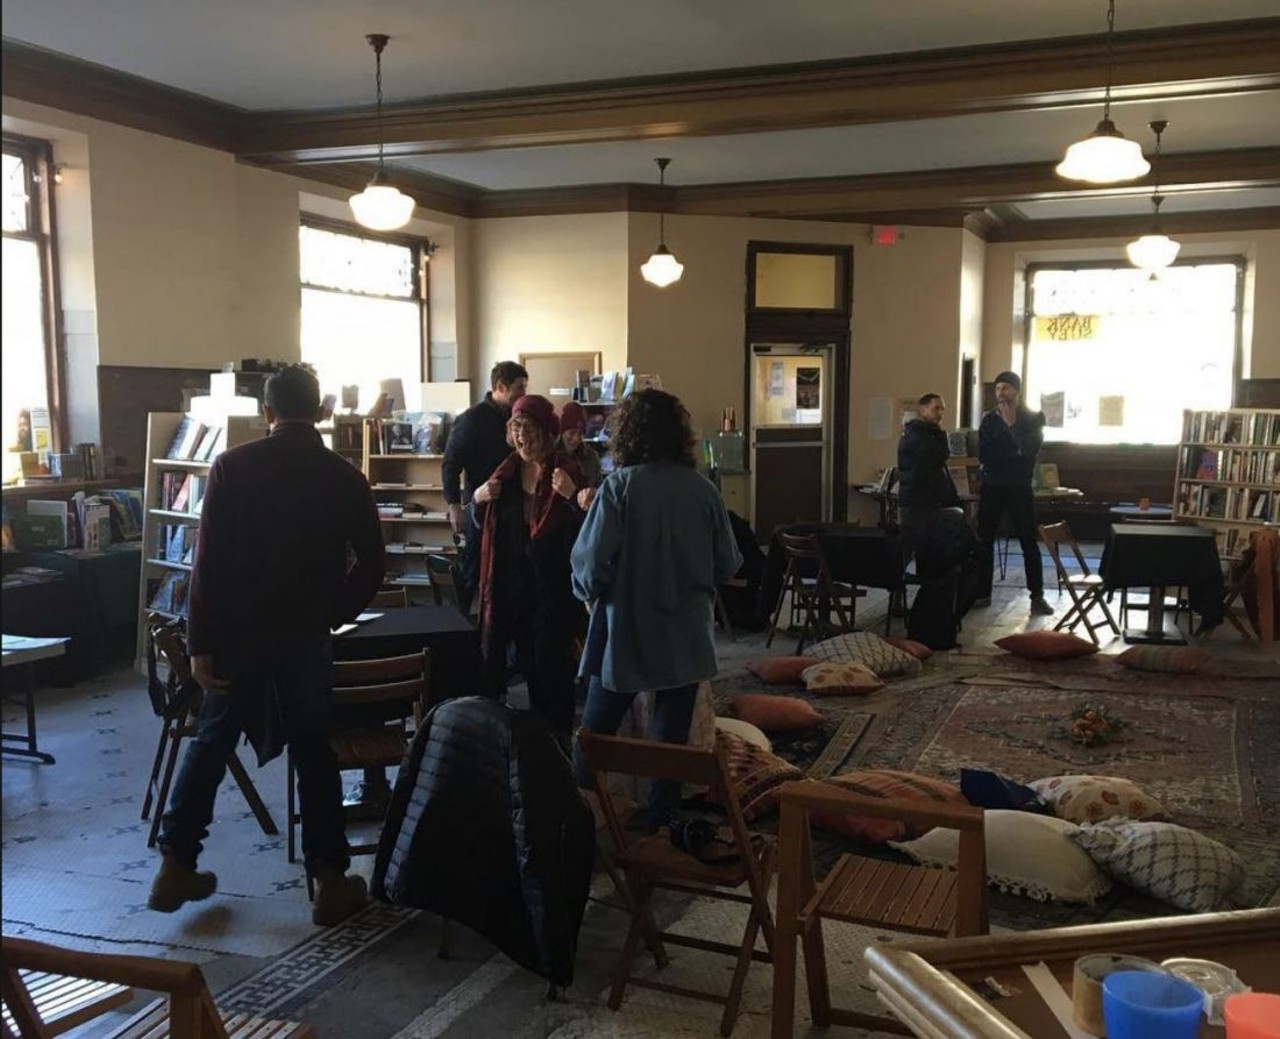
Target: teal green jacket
(654,547)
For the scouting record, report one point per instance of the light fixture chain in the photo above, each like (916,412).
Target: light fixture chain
(1111,36)
(382,131)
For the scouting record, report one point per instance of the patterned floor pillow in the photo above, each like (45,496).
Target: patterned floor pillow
(1090,799)
(755,773)
(869,649)
(843,678)
(885,783)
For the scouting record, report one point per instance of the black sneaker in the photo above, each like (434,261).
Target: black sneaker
(1040,608)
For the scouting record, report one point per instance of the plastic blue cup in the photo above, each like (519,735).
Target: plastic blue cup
(1142,1005)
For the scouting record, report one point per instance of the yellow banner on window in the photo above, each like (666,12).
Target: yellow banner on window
(1062,328)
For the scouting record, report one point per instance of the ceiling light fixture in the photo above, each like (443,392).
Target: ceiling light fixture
(1155,251)
(381,206)
(662,269)
(1106,156)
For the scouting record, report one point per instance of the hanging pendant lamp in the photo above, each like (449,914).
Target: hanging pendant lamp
(662,268)
(1154,252)
(1106,156)
(381,206)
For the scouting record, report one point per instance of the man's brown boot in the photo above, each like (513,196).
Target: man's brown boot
(176,885)
(337,896)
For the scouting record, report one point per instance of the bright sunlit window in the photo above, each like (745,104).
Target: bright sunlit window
(1114,356)
(26,360)
(363,312)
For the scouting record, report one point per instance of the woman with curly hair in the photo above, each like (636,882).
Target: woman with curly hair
(529,518)
(654,547)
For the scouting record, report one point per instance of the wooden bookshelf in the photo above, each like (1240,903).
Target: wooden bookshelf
(1228,473)
(160,520)
(415,483)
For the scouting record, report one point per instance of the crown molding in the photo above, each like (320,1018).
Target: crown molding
(1259,219)
(45,77)
(1180,61)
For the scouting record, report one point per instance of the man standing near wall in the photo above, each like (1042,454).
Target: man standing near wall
(477,446)
(1009,441)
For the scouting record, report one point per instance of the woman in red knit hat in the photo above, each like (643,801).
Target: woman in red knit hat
(529,519)
(573,425)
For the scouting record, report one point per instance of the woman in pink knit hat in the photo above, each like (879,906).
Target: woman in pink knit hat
(529,518)
(573,425)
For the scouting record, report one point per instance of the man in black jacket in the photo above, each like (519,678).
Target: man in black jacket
(924,485)
(1009,441)
(477,445)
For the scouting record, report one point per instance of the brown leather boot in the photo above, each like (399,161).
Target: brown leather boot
(338,895)
(175,885)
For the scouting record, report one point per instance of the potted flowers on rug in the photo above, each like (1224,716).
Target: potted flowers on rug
(1090,726)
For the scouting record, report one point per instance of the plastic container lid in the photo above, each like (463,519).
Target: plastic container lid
(1215,980)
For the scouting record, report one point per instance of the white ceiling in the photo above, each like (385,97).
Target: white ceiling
(300,54)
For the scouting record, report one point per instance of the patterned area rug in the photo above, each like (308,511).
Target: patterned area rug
(1203,744)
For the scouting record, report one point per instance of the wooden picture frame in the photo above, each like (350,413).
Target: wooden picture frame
(557,369)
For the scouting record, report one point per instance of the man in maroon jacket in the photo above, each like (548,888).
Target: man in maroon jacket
(289,546)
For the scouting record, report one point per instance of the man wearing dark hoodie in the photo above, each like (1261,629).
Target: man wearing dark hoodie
(924,485)
(1009,440)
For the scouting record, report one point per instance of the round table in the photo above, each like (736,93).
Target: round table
(1137,514)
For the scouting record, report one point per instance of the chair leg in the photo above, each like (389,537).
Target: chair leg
(723,613)
(291,817)
(777,607)
(815,972)
(156,765)
(640,921)
(256,804)
(162,798)
(734,998)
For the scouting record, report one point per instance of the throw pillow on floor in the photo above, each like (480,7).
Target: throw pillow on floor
(780,670)
(870,650)
(775,713)
(841,679)
(1046,645)
(755,774)
(884,783)
(1173,660)
(917,649)
(1091,799)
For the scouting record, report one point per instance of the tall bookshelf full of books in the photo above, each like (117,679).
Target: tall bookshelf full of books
(180,451)
(408,485)
(1229,473)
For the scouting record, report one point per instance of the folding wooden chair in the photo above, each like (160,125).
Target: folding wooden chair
(860,890)
(650,861)
(445,579)
(367,690)
(57,1002)
(389,599)
(1084,587)
(812,589)
(176,700)
(722,612)
(188,1012)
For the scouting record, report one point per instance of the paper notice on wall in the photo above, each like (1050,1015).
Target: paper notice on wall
(1111,410)
(777,383)
(1054,406)
(880,418)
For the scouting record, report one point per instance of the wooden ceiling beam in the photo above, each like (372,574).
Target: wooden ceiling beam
(1181,61)
(1215,222)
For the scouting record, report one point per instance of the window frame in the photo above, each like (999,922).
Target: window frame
(37,156)
(421,249)
(1240,262)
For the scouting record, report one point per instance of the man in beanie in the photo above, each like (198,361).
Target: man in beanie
(1009,440)
(573,424)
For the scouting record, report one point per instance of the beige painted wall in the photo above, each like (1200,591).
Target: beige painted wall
(973,269)
(1004,306)
(554,283)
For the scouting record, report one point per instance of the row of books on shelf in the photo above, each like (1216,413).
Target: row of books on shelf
(407,509)
(1234,503)
(421,433)
(170,595)
(1230,466)
(182,492)
(1258,428)
(178,543)
(1231,541)
(195,442)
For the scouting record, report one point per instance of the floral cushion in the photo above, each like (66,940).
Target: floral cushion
(1046,645)
(846,679)
(775,713)
(885,782)
(917,649)
(1026,854)
(780,670)
(869,649)
(1171,862)
(1176,660)
(1090,799)
(755,774)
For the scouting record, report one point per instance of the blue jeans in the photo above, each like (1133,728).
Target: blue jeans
(304,690)
(672,716)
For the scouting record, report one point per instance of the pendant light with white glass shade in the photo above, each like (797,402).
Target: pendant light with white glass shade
(662,268)
(1155,251)
(381,206)
(1106,156)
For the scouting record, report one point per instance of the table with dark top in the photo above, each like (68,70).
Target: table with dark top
(1137,514)
(1160,556)
(453,641)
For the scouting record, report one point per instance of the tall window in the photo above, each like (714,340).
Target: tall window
(1114,356)
(29,363)
(363,311)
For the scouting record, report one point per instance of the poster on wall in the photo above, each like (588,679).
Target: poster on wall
(808,389)
(777,385)
(1054,406)
(1111,410)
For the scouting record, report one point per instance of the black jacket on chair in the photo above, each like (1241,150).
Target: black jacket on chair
(487,827)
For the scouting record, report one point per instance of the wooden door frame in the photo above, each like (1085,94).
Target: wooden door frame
(801,328)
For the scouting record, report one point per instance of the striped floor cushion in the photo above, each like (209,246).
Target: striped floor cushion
(885,782)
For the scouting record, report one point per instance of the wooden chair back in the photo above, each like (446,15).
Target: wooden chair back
(1055,536)
(406,678)
(893,896)
(389,599)
(188,1013)
(445,578)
